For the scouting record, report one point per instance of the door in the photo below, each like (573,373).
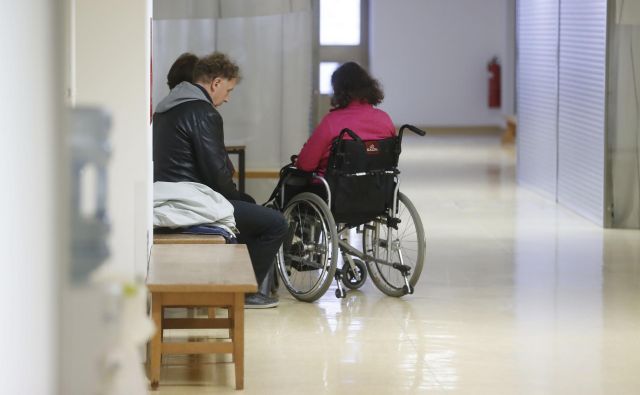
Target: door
(341,34)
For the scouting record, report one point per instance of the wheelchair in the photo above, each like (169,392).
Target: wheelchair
(360,190)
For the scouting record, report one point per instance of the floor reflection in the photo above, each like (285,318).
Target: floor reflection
(517,296)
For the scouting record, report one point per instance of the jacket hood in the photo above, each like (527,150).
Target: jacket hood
(181,93)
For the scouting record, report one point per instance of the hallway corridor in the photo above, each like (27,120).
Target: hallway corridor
(517,296)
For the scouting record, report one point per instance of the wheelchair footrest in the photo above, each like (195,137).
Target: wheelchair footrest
(404,269)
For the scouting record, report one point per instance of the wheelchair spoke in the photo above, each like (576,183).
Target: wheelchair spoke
(304,262)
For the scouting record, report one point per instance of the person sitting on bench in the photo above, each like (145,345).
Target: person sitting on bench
(188,145)
(182,70)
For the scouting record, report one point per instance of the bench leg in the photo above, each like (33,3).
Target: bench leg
(238,338)
(230,315)
(156,341)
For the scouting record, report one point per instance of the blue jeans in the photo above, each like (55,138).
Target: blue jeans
(262,229)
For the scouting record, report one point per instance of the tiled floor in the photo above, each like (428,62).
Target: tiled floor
(518,296)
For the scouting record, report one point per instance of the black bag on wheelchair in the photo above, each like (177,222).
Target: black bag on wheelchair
(361,175)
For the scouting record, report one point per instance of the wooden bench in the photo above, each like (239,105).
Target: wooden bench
(183,238)
(186,238)
(199,275)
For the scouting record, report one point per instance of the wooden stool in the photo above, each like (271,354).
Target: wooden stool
(239,150)
(206,275)
(509,135)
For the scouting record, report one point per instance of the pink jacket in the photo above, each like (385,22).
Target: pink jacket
(368,122)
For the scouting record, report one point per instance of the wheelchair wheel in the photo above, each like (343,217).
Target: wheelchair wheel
(408,241)
(353,280)
(308,257)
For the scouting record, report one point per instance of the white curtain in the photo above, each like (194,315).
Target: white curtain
(269,111)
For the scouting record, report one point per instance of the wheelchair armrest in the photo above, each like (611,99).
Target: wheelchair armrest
(297,172)
(326,187)
(291,174)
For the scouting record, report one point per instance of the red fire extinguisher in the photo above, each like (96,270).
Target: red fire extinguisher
(494,83)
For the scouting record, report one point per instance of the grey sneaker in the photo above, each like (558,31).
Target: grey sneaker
(259,301)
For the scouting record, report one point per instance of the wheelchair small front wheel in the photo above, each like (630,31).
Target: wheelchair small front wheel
(351,279)
(308,257)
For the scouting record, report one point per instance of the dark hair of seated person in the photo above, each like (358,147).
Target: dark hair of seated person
(350,83)
(182,69)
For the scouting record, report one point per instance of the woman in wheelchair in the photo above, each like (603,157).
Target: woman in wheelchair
(344,178)
(355,93)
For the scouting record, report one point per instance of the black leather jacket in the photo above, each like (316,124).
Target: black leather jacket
(188,142)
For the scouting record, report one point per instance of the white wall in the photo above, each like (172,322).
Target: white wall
(29,200)
(431,56)
(112,68)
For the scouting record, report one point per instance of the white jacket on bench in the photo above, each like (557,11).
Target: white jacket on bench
(183,204)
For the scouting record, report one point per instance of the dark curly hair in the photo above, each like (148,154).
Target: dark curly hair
(182,69)
(215,65)
(352,83)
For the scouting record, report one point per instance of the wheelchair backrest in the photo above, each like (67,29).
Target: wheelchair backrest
(362,177)
(357,155)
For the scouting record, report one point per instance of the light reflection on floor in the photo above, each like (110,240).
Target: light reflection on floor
(518,296)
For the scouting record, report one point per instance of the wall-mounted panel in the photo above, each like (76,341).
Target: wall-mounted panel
(581,107)
(537,94)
